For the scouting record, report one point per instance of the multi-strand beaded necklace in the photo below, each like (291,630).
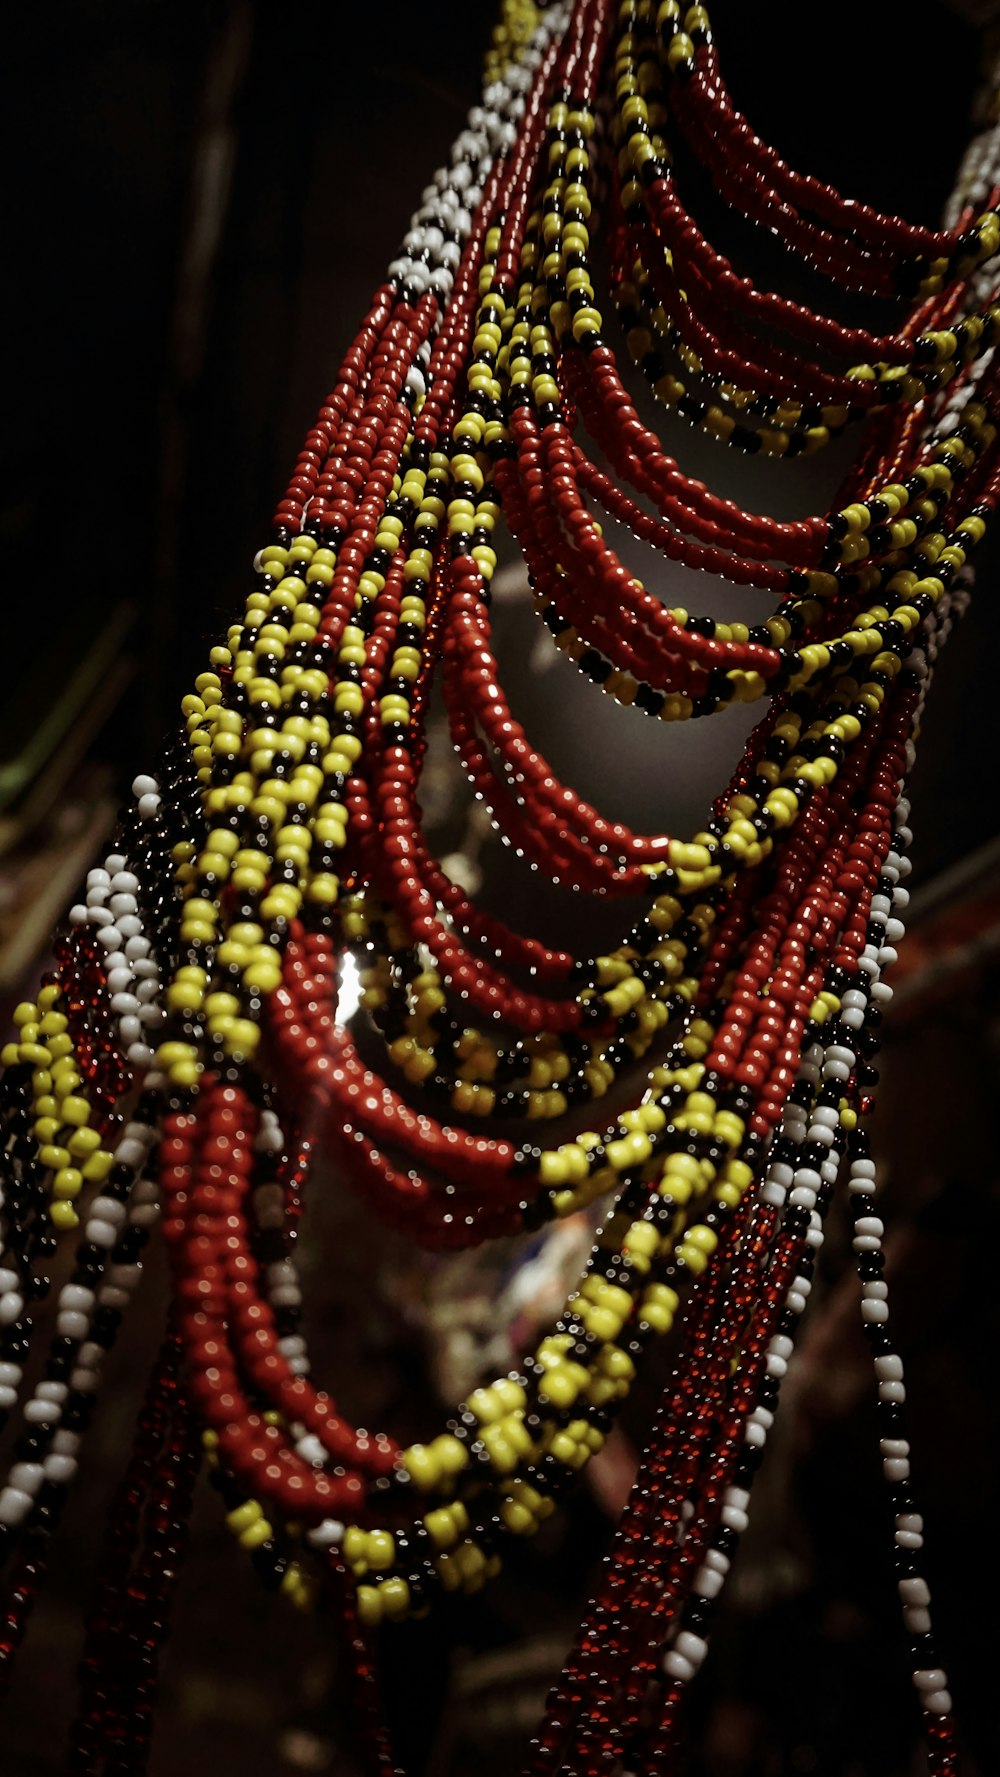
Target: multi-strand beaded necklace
(184,1056)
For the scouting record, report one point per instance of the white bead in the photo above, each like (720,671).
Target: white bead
(867,1243)
(841,1052)
(326,1535)
(675,1666)
(311,1450)
(52,1391)
(123,1277)
(11,1308)
(691,1647)
(78,915)
(287,1295)
(149,807)
(137,950)
(732,1518)
(146,1216)
(894,1446)
(874,1311)
(8,1397)
(894,1393)
(914,1591)
(39,1412)
(70,1325)
(100,1233)
(109,1210)
(130,925)
(60,1469)
(73,1296)
(119,979)
(937,1702)
(130,1152)
(917,1620)
(26,1476)
(836,1070)
(896,1468)
(144,786)
(14,1505)
(110,937)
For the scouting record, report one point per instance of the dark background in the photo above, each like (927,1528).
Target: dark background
(200,200)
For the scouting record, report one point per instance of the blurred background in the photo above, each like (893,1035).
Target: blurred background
(201,199)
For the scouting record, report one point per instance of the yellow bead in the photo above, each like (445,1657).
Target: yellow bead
(369,1605)
(424,1468)
(559,1387)
(68,1182)
(381,1549)
(395,1596)
(96,1169)
(255,1534)
(450,1454)
(243,1516)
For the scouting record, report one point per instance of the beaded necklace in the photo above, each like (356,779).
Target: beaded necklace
(187,1044)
